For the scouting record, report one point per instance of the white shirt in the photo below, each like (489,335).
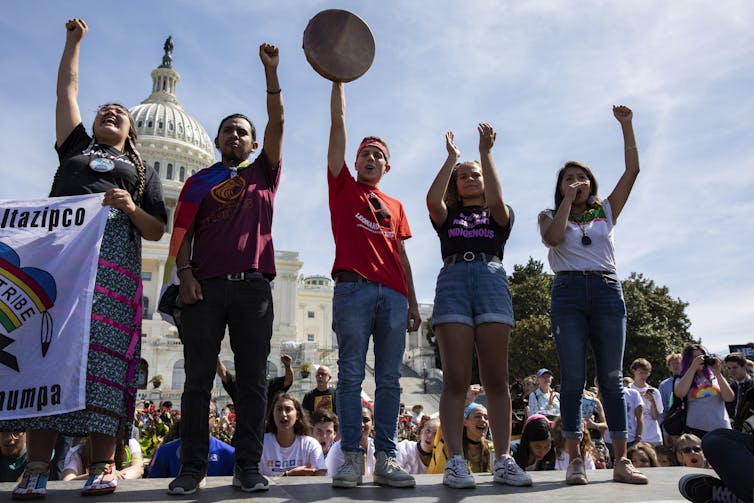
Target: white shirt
(335,458)
(651,432)
(633,400)
(407,455)
(564,459)
(572,255)
(304,451)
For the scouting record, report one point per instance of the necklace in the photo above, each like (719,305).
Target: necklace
(474,442)
(422,452)
(583,226)
(101,161)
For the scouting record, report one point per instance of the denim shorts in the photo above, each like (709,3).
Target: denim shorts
(472,293)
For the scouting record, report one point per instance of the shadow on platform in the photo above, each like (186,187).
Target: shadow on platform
(548,487)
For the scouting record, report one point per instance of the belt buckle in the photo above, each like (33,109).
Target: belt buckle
(469,256)
(236,276)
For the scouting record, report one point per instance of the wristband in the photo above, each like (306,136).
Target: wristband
(183,268)
(275,91)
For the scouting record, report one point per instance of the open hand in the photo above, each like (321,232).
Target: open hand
(452,149)
(487,137)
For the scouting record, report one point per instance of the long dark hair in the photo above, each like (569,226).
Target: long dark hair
(592,183)
(535,429)
(302,426)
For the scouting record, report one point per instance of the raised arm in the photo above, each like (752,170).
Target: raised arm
(438,211)
(67,114)
(336,152)
(622,190)
(273,133)
(493,190)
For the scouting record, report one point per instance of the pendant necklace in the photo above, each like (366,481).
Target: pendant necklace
(101,161)
(585,239)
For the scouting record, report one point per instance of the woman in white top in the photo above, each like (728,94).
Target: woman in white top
(587,305)
(414,456)
(288,450)
(335,457)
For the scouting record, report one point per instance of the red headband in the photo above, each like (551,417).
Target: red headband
(376,144)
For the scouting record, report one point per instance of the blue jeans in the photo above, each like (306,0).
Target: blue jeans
(361,310)
(729,452)
(589,309)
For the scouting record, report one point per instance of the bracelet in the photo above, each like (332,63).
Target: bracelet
(183,268)
(624,148)
(276,91)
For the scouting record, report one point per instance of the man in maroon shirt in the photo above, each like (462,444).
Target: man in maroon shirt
(225,264)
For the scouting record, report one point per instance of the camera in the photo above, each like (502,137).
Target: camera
(709,361)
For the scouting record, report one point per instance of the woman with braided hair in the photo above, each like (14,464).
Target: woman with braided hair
(108,163)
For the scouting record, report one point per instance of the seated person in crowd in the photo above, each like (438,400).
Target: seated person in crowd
(476,447)
(335,457)
(535,451)
(731,455)
(288,449)
(324,429)
(129,462)
(642,455)
(586,447)
(544,400)
(688,451)
(415,456)
(166,461)
(665,456)
(13,459)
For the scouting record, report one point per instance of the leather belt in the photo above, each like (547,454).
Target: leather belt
(470,256)
(585,273)
(349,277)
(244,275)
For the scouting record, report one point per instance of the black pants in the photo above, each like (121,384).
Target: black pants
(245,307)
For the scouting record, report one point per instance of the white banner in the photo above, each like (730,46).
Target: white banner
(48,264)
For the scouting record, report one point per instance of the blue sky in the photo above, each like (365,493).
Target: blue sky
(544,73)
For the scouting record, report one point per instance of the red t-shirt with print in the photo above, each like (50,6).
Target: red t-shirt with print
(367,226)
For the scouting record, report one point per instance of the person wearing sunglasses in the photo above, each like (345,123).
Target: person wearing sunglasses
(13,455)
(322,396)
(689,452)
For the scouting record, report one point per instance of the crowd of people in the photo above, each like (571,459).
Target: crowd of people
(221,255)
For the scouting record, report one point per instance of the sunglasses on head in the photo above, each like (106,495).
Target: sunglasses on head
(689,450)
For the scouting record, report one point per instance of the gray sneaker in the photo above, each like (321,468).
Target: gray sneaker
(349,473)
(506,471)
(457,474)
(387,472)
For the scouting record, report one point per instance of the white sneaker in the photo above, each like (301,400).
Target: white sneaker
(507,471)
(387,472)
(349,473)
(457,474)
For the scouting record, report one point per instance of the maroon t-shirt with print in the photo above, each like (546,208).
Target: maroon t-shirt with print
(233,227)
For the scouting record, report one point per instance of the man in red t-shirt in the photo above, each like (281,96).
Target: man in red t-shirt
(225,264)
(374,297)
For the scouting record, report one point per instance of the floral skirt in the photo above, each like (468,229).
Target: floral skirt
(114,341)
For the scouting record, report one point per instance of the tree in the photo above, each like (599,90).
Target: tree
(657,324)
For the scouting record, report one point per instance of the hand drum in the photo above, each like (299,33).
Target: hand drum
(339,45)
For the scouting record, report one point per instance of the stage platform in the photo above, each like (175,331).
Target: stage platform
(548,487)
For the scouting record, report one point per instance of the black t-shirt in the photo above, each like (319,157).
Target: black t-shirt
(316,399)
(472,228)
(74,176)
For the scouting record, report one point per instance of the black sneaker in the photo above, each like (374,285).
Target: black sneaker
(705,489)
(249,479)
(186,483)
